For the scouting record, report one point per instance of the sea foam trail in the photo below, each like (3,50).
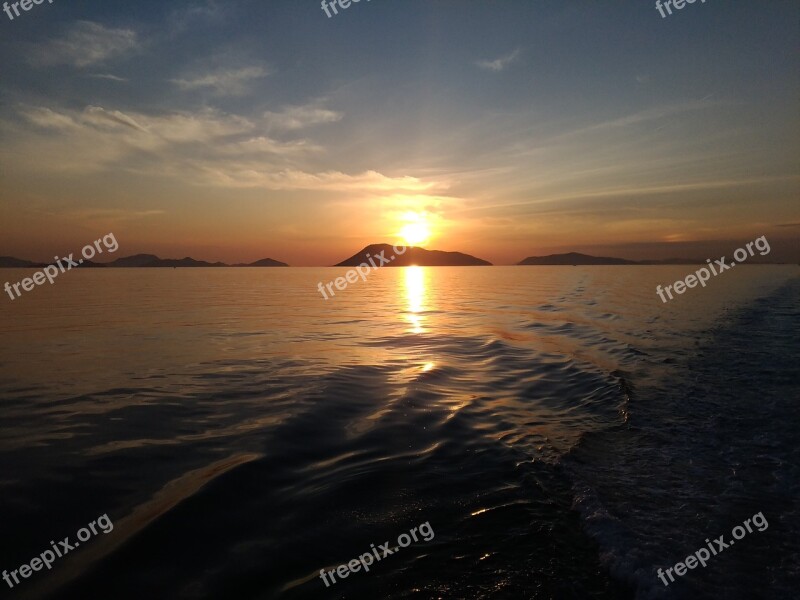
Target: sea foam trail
(699,455)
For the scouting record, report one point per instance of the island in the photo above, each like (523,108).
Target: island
(576,258)
(140,261)
(412,256)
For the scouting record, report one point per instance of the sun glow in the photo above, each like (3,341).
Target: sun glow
(417,230)
(415,233)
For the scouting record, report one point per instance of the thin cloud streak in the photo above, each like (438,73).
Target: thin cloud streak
(224,82)
(636,191)
(498,64)
(300,117)
(107,76)
(86,43)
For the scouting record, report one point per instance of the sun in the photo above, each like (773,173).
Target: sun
(415,227)
(415,233)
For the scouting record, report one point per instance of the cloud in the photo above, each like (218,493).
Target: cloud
(113,215)
(224,82)
(114,116)
(498,64)
(44,117)
(244,176)
(184,18)
(97,138)
(299,117)
(262,145)
(570,203)
(628,122)
(205,148)
(87,43)
(106,76)
(650,114)
(177,144)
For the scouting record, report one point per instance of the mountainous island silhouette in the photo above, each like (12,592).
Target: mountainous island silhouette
(412,256)
(576,258)
(141,261)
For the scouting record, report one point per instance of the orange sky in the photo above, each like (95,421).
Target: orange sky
(231,136)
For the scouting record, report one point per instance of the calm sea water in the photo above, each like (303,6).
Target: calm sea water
(563,431)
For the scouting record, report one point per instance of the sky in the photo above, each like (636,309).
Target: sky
(247,129)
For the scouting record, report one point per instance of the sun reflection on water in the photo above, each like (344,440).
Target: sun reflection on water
(415,294)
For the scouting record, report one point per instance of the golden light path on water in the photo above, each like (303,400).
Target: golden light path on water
(415,294)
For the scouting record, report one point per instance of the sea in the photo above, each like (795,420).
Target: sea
(561,431)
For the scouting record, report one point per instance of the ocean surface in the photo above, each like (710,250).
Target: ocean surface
(563,432)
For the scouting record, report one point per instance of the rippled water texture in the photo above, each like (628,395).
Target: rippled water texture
(563,431)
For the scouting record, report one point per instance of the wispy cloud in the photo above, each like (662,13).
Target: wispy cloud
(632,123)
(298,117)
(201,143)
(97,138)
(569,203)
(207,148)
(113,215)
(115,116)
(86,43)
(650,114)
(106,76)
(499,64)
(224,82)
(184,18)
(372,182)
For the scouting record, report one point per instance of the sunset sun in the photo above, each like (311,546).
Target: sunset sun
(415,233)
(416,230)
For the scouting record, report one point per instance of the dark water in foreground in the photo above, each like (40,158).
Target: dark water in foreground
(564,433)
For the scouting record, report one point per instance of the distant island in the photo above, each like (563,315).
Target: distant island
(413,256)
(576,258)
(140,261)
(264,262)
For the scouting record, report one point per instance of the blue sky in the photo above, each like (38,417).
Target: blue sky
(238,130)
